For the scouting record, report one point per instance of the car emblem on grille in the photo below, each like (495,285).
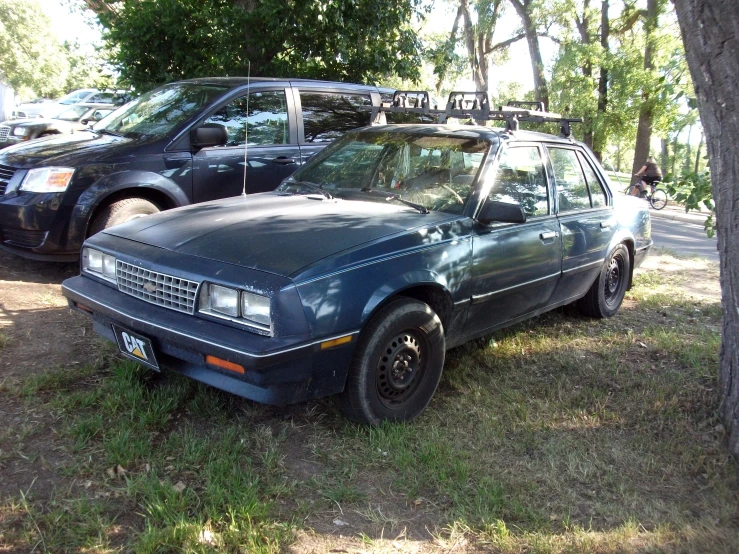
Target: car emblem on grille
(150,287)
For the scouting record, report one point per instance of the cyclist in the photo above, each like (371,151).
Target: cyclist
(650,174)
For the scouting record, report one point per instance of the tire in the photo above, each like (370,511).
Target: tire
(121,211)
(658,200)
(607,292)
(397,364)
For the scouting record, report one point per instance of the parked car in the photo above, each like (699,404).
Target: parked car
(38,107)
(352,278)
(176,145)
(70,119)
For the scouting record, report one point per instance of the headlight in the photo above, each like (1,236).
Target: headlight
(239,306)
(20,132)
(47,179)
(98,263)
(255,307)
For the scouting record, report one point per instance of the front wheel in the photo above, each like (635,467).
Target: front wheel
(121,211)
(607,292)
(397,364)
(658,200)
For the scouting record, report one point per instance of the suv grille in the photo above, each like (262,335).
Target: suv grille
(4,132)
(157,288)
(6,174)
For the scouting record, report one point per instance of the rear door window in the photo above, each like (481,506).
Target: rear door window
(328,115)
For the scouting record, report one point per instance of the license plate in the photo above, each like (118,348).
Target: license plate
(136,347)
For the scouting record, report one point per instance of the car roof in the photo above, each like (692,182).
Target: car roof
(468,131)
(239,81)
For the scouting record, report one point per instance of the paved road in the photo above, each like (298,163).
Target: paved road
(683,238)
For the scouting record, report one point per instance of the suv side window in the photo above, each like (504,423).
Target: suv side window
(597,194)
(572,189)
(266,120)
(102,98)
(328,115)
(520,179)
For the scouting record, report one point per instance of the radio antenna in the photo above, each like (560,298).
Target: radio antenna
(246,125)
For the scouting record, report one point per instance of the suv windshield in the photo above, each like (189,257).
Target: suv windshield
(436,172)
(158,112)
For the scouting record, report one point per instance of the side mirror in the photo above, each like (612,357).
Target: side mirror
(503,212)
(209,134)
(84,121)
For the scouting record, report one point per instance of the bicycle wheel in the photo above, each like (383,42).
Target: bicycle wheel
(633,190)
(658,200)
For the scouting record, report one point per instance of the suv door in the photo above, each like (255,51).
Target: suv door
(272,153)
(325,114)
(587,221)
(515,267)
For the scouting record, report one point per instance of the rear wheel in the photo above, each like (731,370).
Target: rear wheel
(397,364)
(121,211)
(658,200)
(607,292)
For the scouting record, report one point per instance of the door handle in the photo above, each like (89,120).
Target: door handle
(283,160)
(605,224)
(548,235)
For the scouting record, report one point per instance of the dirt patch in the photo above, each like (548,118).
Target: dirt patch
(695,277)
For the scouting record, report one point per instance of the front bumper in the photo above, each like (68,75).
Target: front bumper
(278,371)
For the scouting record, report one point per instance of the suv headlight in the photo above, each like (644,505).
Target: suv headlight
(20,132)
(47,179)
(98,263)
(236,305)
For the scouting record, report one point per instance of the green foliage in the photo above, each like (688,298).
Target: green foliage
(694,191)
(30,56)
(349,40)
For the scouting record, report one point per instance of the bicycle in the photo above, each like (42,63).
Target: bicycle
(657,197)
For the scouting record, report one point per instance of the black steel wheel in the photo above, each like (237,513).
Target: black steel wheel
(658,200)
(397,364)
(607,292)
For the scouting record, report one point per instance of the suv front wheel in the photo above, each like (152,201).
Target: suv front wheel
(121,211)
(397,364)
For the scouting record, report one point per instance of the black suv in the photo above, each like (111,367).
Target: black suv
(179,144)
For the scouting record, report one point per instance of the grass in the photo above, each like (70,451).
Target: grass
(561,434)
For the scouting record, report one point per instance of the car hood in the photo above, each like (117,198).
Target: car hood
(81,148)
(272,232)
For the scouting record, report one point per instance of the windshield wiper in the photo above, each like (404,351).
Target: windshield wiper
(397,198)
(318,188)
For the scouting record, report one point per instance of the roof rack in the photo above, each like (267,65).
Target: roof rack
(474,105)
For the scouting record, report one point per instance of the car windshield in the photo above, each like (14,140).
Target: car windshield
(160,111)
(74,97)
(72,113)
(437,172)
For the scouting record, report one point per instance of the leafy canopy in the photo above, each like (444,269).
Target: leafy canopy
(350,40)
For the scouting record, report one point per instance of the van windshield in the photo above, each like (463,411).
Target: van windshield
(160,111)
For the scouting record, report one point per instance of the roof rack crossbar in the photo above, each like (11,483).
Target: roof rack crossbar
(474,105)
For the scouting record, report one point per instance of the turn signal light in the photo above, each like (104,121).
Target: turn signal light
(225,364)
(336,342)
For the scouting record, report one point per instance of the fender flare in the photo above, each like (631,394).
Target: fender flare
(110,184)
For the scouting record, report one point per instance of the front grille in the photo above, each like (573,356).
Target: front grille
(4,132)
(6,174)
(22,237)
(157,288)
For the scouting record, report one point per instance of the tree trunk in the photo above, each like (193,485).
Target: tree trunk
(698,154)
(663,157)
(541,92)
(644,130)
(605,31)
(709,29)
(688,152)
